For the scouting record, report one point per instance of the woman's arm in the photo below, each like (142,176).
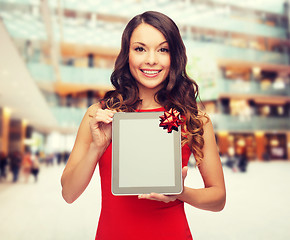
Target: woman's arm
(93,138)
(213,196)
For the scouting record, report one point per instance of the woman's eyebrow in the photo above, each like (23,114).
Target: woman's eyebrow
(143,44)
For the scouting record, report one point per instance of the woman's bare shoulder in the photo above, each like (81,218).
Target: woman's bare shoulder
(204,117)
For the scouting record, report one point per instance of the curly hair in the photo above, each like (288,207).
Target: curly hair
(179,91)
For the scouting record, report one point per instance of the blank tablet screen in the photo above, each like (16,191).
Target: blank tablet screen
(136,152)
(146,158)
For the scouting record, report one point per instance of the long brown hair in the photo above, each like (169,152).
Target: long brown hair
(179,90)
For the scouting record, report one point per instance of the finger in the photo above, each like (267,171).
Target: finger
(184,172)
(157,197)
(103,116)
(110,112)
(104,112)
(143,196)
(163,196)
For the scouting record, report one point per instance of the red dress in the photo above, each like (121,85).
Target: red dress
(130,218)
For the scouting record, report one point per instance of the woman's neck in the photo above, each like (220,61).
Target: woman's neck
(148,100)
(148,105)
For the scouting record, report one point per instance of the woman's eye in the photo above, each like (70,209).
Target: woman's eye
(164,50)
(139,49)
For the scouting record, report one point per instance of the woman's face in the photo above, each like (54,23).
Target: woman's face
(149,57)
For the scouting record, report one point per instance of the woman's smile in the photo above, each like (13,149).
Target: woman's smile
(150,73)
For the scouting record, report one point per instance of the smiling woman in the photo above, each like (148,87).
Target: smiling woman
(149,76)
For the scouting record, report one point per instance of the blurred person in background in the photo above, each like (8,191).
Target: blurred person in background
(35,166)
(15,164)
(26,165)
(66,156)
(42,157)
(49,159)
(3,164)
(232,159)
(149,75)
(243,162)
(266,155)
(59,158)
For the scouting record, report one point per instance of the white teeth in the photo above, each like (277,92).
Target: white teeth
(150,72)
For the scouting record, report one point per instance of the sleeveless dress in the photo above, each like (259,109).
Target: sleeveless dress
(130,218)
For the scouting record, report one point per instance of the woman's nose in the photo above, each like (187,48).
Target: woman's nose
(151,58)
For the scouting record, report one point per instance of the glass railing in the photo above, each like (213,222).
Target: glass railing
(248,54)
(252,87)
(113,6)
(227,23)
(223,51)
(41,72)
(262,5)
(224,122)
(96,76)
(68,117)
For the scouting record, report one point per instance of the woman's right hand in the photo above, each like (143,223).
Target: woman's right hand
(101,127)
(93,138)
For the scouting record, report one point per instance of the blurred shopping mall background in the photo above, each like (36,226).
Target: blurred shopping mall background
(56,58)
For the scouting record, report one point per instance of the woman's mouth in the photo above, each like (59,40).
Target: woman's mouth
(150,73)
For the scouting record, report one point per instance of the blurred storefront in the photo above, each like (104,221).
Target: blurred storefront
(257,145)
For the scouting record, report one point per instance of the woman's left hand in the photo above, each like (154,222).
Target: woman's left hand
(162,197)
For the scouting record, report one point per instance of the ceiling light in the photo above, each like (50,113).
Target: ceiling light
(7,111)
(24,122)
(279,83)
(274,142)
(259,134)
(256,71)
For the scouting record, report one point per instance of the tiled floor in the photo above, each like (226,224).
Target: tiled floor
(258,207)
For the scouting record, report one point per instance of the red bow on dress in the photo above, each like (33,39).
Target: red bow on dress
(170,120)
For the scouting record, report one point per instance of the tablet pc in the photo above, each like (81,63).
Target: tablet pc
(145,157)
